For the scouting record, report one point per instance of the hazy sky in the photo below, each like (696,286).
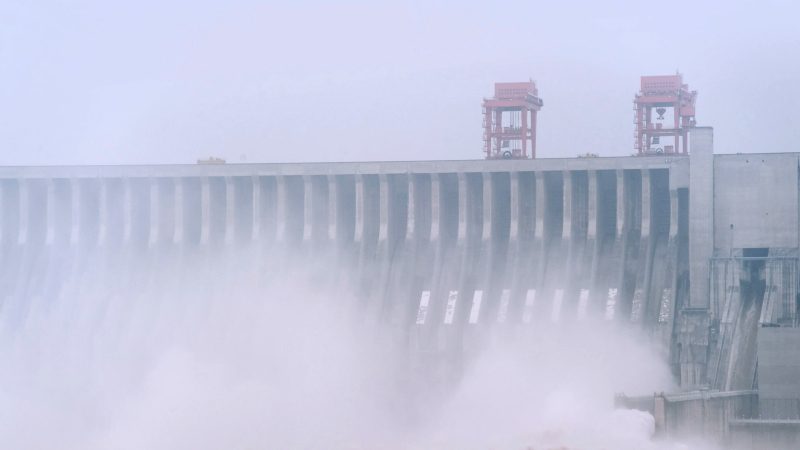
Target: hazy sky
(105,82)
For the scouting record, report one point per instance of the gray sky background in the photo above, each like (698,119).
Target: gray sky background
(105,82)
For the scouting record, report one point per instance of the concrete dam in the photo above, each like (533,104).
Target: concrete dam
(700,251)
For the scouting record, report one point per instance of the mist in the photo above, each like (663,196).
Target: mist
(143,340)
(232,348)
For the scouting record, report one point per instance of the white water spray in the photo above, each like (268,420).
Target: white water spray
(169,349)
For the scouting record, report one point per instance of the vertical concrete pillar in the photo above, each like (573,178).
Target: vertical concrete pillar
(50,234)
(393,231)
(102,230)
(205,210)
(38,211)
(75,206)
(308,209)
(501,252)
(383,208)
(626,301)
(527,205)
(421,209)
(400,186)
(673,213)
(127,210)
(367,217)
(620,203)
(155,209)
(590,249)
(413,188)
(230,210)
(646,255)
(451,206)
(488,207)
(24,201)
(474,248)
(514,199)
(539,207)
(435,206)
(404,285)
(591,206)
(519,249)
(219,209)
(333,209)
(358,235)
(540,210)
(646,200)
(256,230)
(177,237)
(701,214)
(567,230)
(578,268)
(463,205)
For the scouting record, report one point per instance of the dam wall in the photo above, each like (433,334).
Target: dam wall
(700,251)
(436,248)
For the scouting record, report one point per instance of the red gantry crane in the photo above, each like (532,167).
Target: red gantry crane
(673,104)
(509,121)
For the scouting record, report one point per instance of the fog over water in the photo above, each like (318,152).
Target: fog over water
(181,348)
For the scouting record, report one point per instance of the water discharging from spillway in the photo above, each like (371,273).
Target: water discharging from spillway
(211,347)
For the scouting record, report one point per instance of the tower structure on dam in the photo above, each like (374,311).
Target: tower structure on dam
(664,112)
(509,121)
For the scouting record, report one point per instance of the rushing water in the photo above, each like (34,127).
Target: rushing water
(211,348)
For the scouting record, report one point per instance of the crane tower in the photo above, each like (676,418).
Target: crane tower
(509,121)
(664,132)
